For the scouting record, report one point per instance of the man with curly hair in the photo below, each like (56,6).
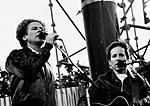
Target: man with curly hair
(32,82)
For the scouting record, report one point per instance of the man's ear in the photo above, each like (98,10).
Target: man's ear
(25,37)
(110,64)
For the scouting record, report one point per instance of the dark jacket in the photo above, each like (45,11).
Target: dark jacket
(110,87)
(30,86)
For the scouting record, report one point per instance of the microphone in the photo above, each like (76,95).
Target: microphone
(56,37)
(123,63)
(133,61)
(42,35)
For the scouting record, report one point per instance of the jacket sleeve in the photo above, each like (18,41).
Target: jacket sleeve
(27,63)
(145,88)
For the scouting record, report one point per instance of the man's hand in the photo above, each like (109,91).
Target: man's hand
(142,102)
(50,38)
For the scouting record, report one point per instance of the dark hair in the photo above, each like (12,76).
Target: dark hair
(22,30)
(115,44)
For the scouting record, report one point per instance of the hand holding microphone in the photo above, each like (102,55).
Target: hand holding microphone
(123,63)
(50,38)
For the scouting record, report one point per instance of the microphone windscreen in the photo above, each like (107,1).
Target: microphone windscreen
(121,63)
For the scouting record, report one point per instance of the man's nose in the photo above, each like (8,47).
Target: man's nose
(40,30)
(118,57)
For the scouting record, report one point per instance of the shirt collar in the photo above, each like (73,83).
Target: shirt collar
(33,50)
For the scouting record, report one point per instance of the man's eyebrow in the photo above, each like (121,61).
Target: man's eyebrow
(38,27)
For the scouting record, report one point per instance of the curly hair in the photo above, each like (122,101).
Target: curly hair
(22,30)
(115,44)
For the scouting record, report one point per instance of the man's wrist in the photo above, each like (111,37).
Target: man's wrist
(49,45)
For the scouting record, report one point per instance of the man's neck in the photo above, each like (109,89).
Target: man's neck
(34,47)
(122,74)
(123,71)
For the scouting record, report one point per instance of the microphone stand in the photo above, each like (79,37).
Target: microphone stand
(54,31)
(74,53)
(80,70)
(140,76)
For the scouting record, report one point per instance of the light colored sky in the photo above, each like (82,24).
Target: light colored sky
(14,11)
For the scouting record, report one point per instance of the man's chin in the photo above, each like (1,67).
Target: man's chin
(120,69)
(40,43)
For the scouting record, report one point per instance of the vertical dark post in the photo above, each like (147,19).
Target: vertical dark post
(101,28)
